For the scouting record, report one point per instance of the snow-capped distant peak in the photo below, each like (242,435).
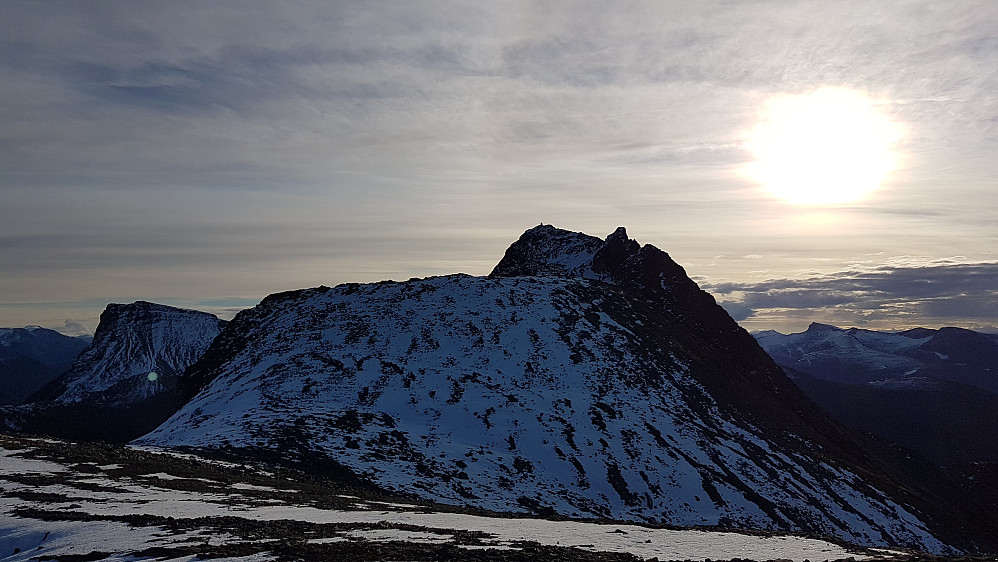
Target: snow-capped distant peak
(132,342)
(817,327)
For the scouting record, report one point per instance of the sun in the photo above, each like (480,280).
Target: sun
(831,146)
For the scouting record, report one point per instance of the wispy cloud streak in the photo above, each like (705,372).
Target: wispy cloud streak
(292,143)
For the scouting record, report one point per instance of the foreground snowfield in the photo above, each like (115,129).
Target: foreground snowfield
(62,501)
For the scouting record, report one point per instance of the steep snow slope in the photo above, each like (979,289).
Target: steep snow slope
(587,378)
(125,382)
(514,393)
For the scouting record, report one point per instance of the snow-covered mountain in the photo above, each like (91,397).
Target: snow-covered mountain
(125,382)
(932,391)
(584,377)
(854,355)
(138,351)
(31,357)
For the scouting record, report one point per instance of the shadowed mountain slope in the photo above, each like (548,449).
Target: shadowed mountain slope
(929,390)
(32,357)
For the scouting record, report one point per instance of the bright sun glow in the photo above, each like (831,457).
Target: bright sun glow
(828,147)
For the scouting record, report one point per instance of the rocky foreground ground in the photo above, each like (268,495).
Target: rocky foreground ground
(82,502)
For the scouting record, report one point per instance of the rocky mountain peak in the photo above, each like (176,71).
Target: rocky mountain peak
(145,317)
(620,261)
(585,377)
(616,251)
(549,251)
(680,308)
(819,328)
(139,349)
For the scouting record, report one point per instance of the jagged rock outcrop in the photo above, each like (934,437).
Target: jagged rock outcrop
(583,377)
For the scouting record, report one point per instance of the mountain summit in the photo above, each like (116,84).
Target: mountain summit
(583,377)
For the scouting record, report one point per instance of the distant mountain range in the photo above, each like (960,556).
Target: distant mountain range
(31,357)
(584,377)
(933,391)
(854,355)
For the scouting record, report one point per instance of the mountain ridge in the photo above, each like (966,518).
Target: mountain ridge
(584,377)
(855,355)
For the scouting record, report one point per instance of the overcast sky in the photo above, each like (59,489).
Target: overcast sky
(206,154)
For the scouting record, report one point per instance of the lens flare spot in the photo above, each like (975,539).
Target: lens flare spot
(152,376)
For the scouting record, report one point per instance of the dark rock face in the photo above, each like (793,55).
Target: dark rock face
(546,250)
(125,383)
(133,341)
(32,357)
(583,377)
(976,351)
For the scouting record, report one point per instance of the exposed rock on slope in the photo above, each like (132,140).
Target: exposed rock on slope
(125,383)
(584,377)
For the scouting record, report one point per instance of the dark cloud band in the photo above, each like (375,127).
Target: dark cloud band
(932,293)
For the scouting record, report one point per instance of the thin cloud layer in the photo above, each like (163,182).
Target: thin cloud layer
(248,87)
(242,147)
